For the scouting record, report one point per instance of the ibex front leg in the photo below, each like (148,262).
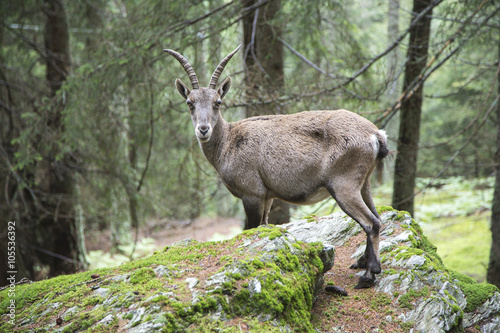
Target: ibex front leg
(254,210)
(352,203)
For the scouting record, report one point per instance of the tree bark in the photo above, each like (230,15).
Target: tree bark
(265,79)
(94,16)
(411,109)
(56,234)
(8,131)
(393,56)
(493,274)
(57,44)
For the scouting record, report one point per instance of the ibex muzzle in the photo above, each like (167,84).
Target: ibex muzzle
(300,158)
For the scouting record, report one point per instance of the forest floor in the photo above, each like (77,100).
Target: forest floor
(156,235)
(164,233)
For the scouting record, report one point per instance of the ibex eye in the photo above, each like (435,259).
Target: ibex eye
(189,103)
(218,103)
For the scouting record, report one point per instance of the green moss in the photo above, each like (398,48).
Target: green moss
(250,232)
(142,275)
(128,316)
(28,294)
(380,300)
(454,275)
(92,301)
(205,305)
(383,209)
(286,288)
(476,293)
(287,281)
(313,252)
(212,325)
(406,299)
(407,325)
(390,271)
(404,252)
(388,249)
(225,259)
(275,233)
(401,214)
(420,246)
(311,218)
(456,308)
(271,231)
(257,263)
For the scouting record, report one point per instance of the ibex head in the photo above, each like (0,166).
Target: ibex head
(203,103)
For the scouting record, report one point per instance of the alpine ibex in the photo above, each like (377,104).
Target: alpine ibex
(300,158)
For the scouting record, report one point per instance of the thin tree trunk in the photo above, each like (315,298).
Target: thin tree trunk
(493,274)
(265,77)
(393,56)
(411,109)
(94,22)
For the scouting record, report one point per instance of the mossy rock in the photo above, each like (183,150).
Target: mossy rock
(262,274)
(265,279)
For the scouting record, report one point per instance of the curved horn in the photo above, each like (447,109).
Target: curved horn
(220,68)
(187,67)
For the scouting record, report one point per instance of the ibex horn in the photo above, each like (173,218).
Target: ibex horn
(220,68)
(187,67)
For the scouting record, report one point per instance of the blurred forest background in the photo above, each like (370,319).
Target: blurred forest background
(93,135)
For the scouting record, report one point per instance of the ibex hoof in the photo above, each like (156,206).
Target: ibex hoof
(365,282)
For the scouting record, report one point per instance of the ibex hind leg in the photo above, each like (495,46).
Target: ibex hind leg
(366,193)
(352,203)
(267,209)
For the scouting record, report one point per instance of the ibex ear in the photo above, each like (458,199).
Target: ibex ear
(182,88)
(224,87)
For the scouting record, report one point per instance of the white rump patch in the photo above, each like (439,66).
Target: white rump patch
(383,134)
(375,140)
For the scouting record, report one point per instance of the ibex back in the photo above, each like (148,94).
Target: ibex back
(300,158)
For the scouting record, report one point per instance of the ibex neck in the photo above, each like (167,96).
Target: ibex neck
(212,149)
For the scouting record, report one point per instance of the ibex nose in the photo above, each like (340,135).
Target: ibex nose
(203,129)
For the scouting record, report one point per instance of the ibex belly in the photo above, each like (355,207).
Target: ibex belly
(306,198)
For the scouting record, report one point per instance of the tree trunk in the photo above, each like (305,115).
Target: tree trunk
(55,229)
(57,44)
(393,56)
(8,131)
(16,197)
(93,13)
(265,79)
(493,274)
(409,129)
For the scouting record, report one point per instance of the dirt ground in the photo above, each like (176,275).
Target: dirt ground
(166,232)
(202,230)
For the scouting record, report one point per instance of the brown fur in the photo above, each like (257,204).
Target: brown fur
(300,158)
